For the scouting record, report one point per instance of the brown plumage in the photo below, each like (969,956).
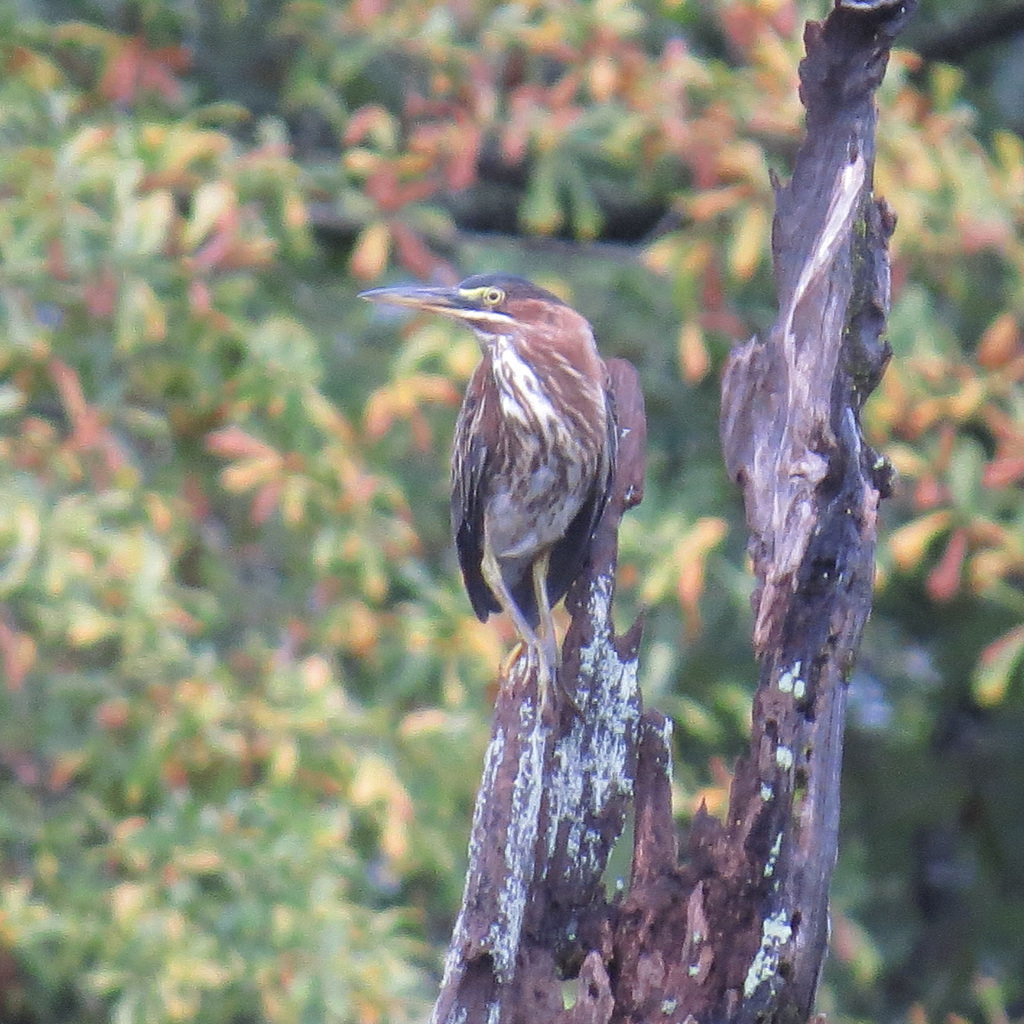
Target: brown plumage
(534,450)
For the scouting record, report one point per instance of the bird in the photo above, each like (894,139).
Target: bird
(534,451)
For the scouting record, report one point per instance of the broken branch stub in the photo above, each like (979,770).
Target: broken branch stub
(556,786)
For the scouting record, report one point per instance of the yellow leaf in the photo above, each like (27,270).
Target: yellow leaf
(361,161)
(905,460)
(20,531)
(909,543)
(376,783)
(293,500)
(200,862)
(187,145)
(88,626)
(34,70)
(296,215)
(327,417)
(127,900)
(152,215)
(947,85)
(662,255)
(284,761)
(370,255)
(1009,148)
(693,352)
(749,242)
(316,673)
(84,143)
(141,318)
(970,397)
(992,674)
(249,472)
(604,78)
(211,202)
(154,135)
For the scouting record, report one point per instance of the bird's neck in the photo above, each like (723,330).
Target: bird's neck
(522,393)
(531,387)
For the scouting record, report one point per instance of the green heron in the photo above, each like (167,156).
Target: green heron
(534,450)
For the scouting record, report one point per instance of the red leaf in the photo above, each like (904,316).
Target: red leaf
(119,80)
(413,254)
(101,296)
(266,501)
(1003,472)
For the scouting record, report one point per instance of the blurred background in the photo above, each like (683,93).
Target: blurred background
(243,699)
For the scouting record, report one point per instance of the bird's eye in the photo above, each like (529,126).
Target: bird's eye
(493,297)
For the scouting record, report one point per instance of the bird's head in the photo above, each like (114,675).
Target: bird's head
(491,304)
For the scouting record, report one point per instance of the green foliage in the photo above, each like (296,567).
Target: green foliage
(243,699)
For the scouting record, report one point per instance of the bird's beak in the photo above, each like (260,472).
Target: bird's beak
(447,301)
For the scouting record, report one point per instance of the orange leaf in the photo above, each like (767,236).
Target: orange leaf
(412,253)
(693,353)
(373,119)
(370,256)
(1000,342)
(233,442)
(713,202)
(461,171)
(995,667)
(944,579)
(17,655)
(1003,472)
(908,543)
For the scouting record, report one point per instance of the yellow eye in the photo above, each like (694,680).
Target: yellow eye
(493,297)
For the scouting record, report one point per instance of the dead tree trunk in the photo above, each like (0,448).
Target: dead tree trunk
(737,932)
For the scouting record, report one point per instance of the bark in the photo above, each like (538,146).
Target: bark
(737,930)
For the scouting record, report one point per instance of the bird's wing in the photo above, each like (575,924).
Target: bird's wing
(472,453)
(571,553)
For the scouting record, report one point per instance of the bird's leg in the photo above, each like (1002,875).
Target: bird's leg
(548,637)
(552,657)
(492,576)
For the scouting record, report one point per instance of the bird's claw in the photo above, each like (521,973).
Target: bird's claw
(540,659)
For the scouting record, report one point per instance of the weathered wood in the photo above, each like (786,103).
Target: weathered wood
(791,436)
(556,788)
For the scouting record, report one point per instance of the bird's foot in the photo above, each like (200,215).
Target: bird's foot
(549,676)
(525,660)
(540,659)
(545,677)
(512,660)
